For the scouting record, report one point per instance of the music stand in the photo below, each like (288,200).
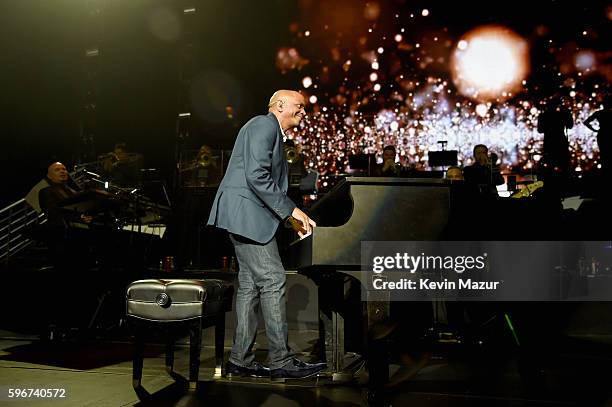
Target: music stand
(361,162)
(446,158)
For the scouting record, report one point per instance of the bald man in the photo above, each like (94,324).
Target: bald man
(58,190)
(250,204)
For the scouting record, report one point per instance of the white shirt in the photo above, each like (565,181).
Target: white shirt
(281,127)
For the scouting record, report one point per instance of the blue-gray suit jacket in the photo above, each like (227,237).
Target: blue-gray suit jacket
(252,198)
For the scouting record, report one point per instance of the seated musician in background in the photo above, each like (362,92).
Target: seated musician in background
(69,253)
(484,173)
(388,168)
(49,198)
(121,166)
(206,171)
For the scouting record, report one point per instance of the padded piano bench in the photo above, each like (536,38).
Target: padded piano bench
(177,306)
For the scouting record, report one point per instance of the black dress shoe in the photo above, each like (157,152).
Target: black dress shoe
(296,369)
(255,370)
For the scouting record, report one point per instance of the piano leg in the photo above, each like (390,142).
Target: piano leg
(331,330)
(332,292)
(377,349)
(338,349)
(325,327)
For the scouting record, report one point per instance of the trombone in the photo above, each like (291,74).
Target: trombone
(203,160)
(291,155)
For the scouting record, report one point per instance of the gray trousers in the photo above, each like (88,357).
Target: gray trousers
(262,282)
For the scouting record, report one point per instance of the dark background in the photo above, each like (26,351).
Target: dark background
(138,89)
(43,78)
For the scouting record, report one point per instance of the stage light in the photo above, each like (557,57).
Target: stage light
(489,62)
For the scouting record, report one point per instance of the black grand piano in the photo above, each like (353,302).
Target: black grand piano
(361,209)
(364,209)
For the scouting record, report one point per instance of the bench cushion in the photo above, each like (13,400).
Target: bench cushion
(177,299)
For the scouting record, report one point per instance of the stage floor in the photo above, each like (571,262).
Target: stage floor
(98,373)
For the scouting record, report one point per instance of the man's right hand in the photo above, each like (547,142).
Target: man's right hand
(307,223)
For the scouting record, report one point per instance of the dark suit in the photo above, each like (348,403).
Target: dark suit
(250,203)
(49,199)
(252,198)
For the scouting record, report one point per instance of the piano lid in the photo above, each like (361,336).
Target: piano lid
(336,207)
(373,209)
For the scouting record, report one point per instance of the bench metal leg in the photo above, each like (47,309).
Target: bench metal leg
(169,353)
(137,359)
(219,344)
(195,346)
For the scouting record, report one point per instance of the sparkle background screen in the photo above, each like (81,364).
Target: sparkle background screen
(79,76)
(411,74)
